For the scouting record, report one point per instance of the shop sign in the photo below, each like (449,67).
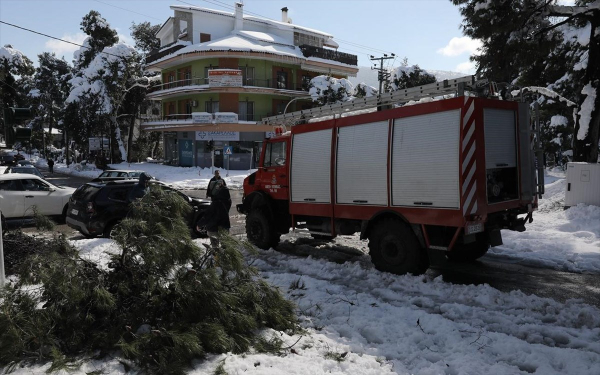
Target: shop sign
(201,118)
(225,78)
(95,144)
(217,136)
(226,118)
(186,153)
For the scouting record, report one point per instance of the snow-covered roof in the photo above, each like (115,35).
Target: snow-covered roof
(273,23)
(241,42)
(264,37)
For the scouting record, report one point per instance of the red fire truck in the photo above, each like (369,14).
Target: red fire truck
(445,175)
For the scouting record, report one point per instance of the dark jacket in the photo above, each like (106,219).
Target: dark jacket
(50,162)
(211,184)
(216,215)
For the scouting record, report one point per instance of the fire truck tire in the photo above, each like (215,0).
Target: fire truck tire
(471,251)
(394,248)
(260,230)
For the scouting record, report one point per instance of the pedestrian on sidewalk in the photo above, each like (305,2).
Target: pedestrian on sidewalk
(51,165)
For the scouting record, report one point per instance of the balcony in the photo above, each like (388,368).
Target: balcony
(328,54)
(159,54)
(249,82)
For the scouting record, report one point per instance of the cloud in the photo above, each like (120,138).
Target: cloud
(61,48)
(466,67)
(458,46)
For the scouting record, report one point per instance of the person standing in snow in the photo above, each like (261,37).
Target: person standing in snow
(140,189)
(51,165)
(216,216)
(214,183)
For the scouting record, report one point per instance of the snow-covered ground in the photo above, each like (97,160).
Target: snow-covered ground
(362,321)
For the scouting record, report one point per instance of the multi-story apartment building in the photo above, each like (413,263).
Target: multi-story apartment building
(223,72)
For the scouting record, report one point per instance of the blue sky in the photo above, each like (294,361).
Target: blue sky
(427,32)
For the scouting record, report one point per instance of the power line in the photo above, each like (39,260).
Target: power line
(53,37)
(128,10)
(230,7)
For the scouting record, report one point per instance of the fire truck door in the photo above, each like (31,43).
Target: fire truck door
(275,173)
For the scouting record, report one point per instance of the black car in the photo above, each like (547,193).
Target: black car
(96,207)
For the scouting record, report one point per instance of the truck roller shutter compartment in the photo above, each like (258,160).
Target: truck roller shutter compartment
(425,165)
(311,167)
(361,175)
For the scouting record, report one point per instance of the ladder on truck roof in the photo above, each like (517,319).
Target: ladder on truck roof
(446,87)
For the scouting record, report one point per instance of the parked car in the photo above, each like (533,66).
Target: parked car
(26,169)
(7,157)
(96,207)
(117,175)
(19,192)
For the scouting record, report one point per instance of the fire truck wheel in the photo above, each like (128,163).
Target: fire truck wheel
(260,231)
(471,251)
(394,248)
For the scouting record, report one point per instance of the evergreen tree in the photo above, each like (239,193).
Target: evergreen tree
(327,90)
(100,36)
(523,45)
(406,77)
(162,302)
(144,35)
(15,79)
(51,89)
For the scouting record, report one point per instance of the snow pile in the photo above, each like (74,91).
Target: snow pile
(561,239)
(320,85)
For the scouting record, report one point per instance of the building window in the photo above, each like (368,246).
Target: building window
(188,107)
(247,75)
(204,37)
(281,107)
(246,111)
(171,80)
(282,79)
(211,107)
(186,76)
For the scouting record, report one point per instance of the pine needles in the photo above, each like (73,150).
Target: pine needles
(162,303)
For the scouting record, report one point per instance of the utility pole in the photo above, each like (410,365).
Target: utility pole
(382,75)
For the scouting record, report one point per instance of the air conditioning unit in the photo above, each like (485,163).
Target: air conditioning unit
(194,103)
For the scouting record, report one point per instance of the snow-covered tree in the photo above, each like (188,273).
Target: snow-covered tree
(326,89)
(108,78)
(537,43)
(362,90)
(15,77)
(51,88)
(405,77)
(100,36)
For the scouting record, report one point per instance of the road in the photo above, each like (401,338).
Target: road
(503,276)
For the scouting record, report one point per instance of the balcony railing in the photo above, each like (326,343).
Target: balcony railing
(159,54)
(328,54)
(188,116)
(250,82)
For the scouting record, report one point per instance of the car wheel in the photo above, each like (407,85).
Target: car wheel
(63,217)
(394,248)
(260,230)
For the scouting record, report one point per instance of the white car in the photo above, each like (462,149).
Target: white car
(20,192)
